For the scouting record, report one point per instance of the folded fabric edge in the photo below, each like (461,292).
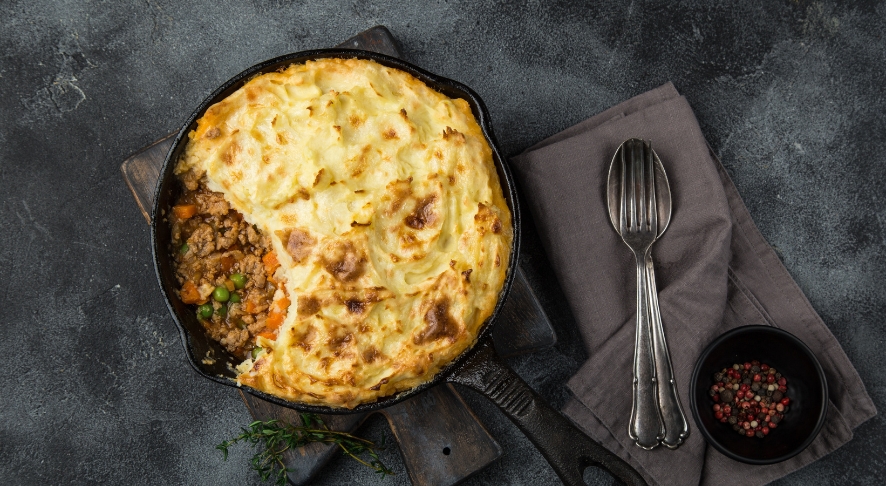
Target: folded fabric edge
(861,402)
(628,107)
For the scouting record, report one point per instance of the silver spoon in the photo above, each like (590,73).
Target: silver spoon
(639,201)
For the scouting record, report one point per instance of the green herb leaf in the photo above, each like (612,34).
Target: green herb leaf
(273,438)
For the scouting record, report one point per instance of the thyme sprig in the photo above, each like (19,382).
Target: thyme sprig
(273,438)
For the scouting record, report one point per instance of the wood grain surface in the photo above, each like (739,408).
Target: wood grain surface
(441,440)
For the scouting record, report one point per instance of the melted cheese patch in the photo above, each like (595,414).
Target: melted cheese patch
(388,220)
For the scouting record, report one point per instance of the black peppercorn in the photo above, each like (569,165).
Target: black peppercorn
(733,420)
(755,387)
(755,369)
(777,396)
(726,396)
(759,434)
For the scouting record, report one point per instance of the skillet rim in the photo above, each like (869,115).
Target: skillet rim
(166,183)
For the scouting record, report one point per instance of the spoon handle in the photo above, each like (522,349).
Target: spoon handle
(675,424)
(645,428)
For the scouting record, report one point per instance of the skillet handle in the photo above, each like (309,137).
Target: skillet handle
(567,449)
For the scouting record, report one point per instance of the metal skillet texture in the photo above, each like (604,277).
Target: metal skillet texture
(566,448)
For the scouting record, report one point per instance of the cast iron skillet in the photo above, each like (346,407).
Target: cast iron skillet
(566,448)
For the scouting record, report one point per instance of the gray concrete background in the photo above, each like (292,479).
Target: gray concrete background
(97,388)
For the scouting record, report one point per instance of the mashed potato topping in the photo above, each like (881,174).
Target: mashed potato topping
(384,211)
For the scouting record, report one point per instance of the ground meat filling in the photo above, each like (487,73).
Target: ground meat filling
(224,268)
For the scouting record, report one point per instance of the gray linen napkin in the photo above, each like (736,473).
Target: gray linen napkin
(714,272)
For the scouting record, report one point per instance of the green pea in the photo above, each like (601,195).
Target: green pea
(184,249)
(222,311)
(205,311)
(239,280)
(235,297)
(255,352)
(221,294)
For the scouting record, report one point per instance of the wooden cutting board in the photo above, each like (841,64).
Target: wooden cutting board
(441,440)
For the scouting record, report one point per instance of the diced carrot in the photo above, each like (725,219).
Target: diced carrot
(268,335)
(184,211)
(282,304)
(250,307)
(190,294)
(226,263)
(270,261)
(275,320)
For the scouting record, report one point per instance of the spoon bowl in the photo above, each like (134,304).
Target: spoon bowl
(662,192)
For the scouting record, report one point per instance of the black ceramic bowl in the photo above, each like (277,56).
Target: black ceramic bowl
(807,389)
